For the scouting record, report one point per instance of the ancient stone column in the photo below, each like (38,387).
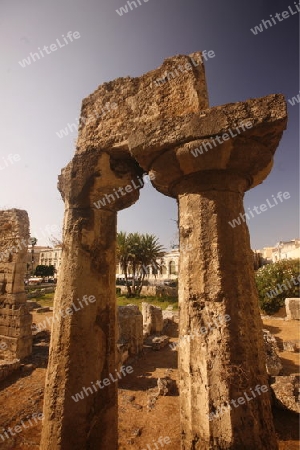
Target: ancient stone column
(222,357)
(224,393)
(83,343)
(15,318)
(79,413)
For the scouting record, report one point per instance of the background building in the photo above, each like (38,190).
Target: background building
(286,250)
(282,250)
(51,257)
(33,258)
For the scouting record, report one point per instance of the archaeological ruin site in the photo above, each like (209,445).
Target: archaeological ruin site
(155,130)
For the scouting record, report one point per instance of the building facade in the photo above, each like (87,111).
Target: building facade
(33,257)
(51,257)
(286,250)
(282,250)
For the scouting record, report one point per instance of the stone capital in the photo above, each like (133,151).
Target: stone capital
(214,180)
(237,138)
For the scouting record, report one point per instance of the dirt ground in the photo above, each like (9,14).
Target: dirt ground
(140,423)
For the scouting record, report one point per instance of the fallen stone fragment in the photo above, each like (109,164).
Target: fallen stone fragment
(135,432)
(286,391)
(166,386)
(273,362)
(290,346)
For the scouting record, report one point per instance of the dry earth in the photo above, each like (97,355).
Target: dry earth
(140,423)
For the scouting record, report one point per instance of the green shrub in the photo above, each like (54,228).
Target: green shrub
(276,282)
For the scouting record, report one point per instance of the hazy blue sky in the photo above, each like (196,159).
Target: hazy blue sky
(42,98)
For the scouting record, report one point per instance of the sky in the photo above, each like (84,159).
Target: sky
(39,99)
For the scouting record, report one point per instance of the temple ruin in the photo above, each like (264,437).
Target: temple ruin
(15,319)
(206,158)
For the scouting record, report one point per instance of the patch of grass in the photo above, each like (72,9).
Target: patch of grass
(161,302)
(45,300)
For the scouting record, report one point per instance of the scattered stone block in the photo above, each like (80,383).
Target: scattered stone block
(130,329)
(292,306)
(159,342)
(290,346)
(171,315)
(273,362)
(166,386)
(152,319)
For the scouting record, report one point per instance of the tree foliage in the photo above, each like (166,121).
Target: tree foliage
(276,282)
(44,271)
(135,253)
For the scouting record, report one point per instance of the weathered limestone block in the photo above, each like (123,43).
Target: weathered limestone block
(139,100)
(173,316)
(291,346)
(273,362)
(292,306)
(287,392)
(159,342)
(152,319)
(15,319)
(166,386)
(130,321)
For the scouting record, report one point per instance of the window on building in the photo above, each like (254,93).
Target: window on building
(172,268)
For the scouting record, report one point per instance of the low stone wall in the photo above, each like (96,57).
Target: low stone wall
(158,291)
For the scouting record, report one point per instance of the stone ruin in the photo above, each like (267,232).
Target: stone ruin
(292,306)
(130,333)
(153,130)
(15,319)
(153,322)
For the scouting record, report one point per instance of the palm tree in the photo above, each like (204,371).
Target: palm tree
(136,252)
(150,250)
